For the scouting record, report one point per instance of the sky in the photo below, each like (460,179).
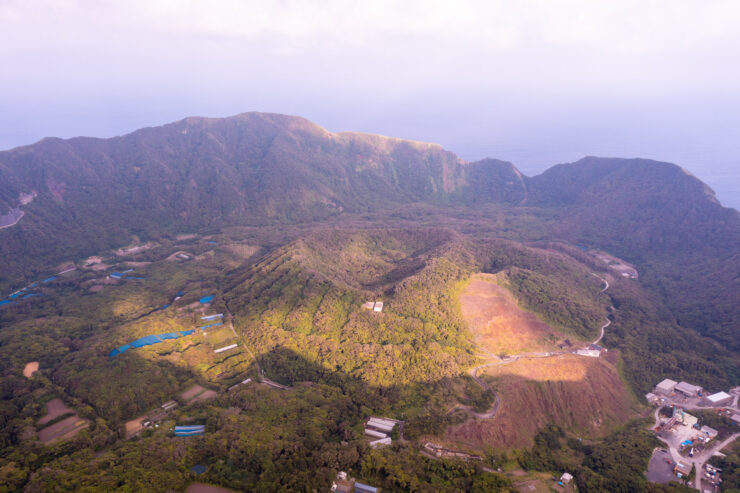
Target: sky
(533,82)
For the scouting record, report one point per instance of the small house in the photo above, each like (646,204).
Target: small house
(682,470)
(566,478)
(708,432)
(651,398)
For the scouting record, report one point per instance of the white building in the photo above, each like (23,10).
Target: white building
(719,399)
(688,389)
(651,398)
(592,353)
(665,387)
(381,442)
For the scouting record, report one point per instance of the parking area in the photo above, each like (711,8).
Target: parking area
(660,468)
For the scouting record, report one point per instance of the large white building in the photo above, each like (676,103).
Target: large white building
(719,399)
(688,389)
(665,387)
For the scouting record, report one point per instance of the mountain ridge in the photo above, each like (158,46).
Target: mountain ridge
(259,169)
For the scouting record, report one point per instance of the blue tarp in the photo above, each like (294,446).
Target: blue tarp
(49,279)
(145,341)
(149,340)
(187,431)
(206,299)
(29,295)
(33,285)
(5,302)
(164,307)
(180,293)
(211,242)
(117,275)
(14,295)
(365,488)
(211,325)
(198,469)
(135,278)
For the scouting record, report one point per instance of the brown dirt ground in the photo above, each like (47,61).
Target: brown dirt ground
(192,392)
(496,321)
(206,488)
(54,409)
(30,369)
(66,428)
(134,426)
(583,395)
(208,394)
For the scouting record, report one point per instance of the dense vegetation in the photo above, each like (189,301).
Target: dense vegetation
(617,464)
(296,229)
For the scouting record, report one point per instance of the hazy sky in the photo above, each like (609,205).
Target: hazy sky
(532,82)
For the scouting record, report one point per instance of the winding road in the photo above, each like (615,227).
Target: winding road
(473,372)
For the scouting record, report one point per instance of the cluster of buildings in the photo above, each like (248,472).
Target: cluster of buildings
(344,484)
(670,387)
(380,429)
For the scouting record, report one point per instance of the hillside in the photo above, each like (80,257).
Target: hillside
(236,268)
(256,169)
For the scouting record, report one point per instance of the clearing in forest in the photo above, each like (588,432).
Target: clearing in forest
(54,409)
(30,369)
(66,428)
(498,324)
(197,393)
(583,395)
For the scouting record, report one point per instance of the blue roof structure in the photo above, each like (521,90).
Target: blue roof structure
(188,431)
(5,302)
(49,279)
(180,293)
(198,469)
(364,488)
(15,295)
(149,340)
(206,299)
(164,307)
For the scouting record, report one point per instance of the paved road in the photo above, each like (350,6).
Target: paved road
(608,322)
(699,458)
